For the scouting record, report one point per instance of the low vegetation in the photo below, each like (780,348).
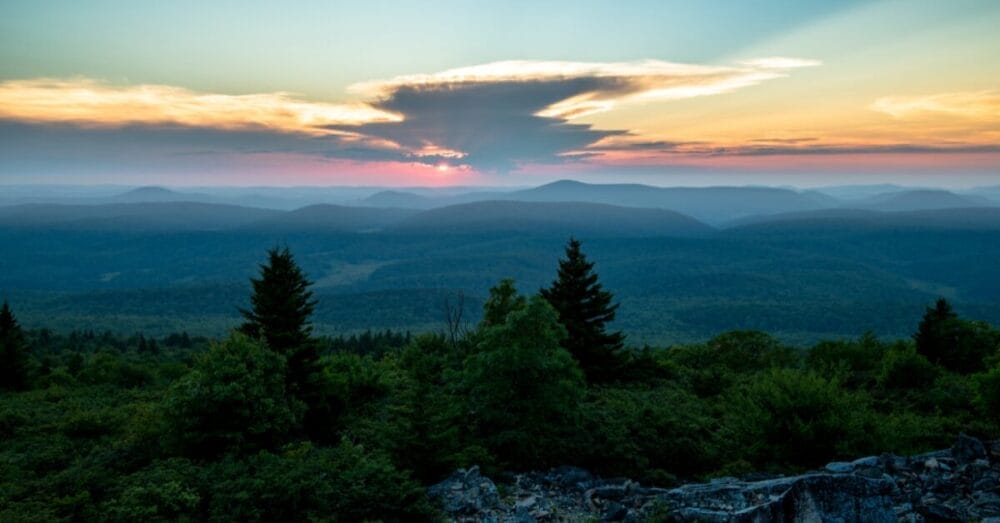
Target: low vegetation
(274,422)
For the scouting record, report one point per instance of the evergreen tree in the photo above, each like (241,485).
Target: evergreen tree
(953,343)
(281,306)
(13,352)
(585,309)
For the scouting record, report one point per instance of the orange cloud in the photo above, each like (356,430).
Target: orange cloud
(91,103)
(978,105)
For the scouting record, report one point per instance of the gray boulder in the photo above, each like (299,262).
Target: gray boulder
(814,497)
(466,492)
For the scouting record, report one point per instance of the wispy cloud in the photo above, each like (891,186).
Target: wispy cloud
(87,102)
(600,86)
(979,105)
(491,117)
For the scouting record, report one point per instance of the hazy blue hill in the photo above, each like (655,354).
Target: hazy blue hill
(159,194)
(806,219)
(921,199)
(708,204)
(858,192)
(328,217)
(563,218)
(849,221)
(411,200)
(400,199)
(990,192)
(132,216)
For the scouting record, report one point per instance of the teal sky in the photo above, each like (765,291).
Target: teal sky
(317,48)
(440,92)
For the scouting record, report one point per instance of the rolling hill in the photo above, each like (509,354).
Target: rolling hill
(132,216)
(328,217)
(917,200)
(563,218)
(854,220)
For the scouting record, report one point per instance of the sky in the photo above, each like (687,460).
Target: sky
(437,93)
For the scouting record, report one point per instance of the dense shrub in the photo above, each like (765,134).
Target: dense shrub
(650,434)
(523,388)
(787,419)
(234,401)
(902,368)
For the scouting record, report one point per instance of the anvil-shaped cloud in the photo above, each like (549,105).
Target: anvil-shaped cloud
(492,117)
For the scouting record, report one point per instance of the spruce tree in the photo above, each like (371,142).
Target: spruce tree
(281,306)
(936,335)
(585,309)
(958,345)
(13,352)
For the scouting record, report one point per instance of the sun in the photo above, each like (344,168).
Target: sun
(442,167)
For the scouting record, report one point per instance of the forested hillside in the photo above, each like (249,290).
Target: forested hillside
(802,277)
(274,421)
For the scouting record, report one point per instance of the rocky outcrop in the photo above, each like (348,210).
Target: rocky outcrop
(957,484)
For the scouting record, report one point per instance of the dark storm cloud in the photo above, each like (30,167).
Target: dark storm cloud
(494,125)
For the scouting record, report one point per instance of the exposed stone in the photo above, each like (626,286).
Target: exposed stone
(968,449)
(957,484)
(465,492)
(839,467)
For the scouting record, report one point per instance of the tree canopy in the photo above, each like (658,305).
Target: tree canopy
(585,309)
(13,351)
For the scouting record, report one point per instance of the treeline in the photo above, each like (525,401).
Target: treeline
(275,423)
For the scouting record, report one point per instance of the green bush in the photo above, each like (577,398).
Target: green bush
(902,368)
(167,490)
(710,369)
(524,389)
(786,419)
(988,394)
(857,362)
(234,401)
(304,483)
(649,434)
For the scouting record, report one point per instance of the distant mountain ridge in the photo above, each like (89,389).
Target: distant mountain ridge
(919,199)
(152,193)
(711,205)
(132,216)
(849,220)
(566,218)
(596,208)
(328,217)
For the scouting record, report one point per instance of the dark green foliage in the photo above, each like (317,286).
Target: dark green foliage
(585,309)
(422,423)
(904,369)
(368,343)
(13,352)
(788,419)
(175,429)
(281,303)
(651,434)
(711,368)
(503,300)
(302,482)
(523,387)
(168,490)
(955,344)
(988,397)
(857,362)
(234,401)
(281,306)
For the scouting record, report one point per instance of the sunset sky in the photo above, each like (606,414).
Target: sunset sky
(500,93)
